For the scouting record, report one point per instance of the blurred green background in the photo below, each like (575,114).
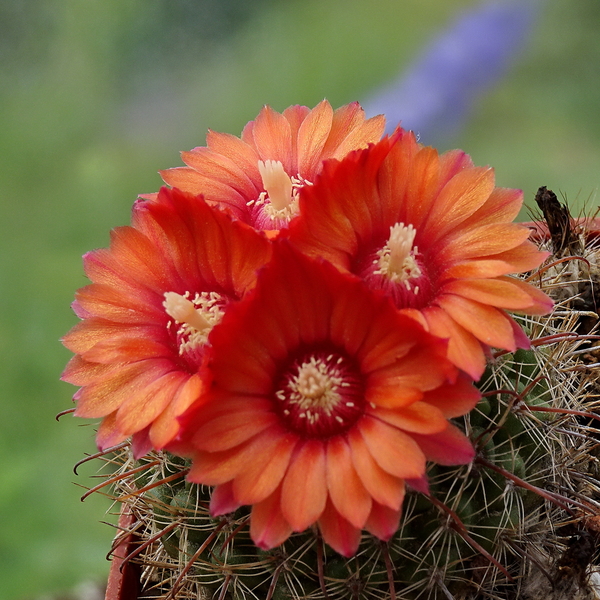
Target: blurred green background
(97,95)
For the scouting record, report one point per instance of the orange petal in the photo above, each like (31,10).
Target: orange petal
(166,426)
(502,292)
(418,417)
(503,206)
(273,139)
(424,368)
(487,324)
(215,468)
(346,490)
(481,241)
(383,487)
(393,450)
(238,151)
(541,304)
(450,447)
(304,489)
(524,257)
(222,169)
(454,400)
(268,527)
(222,500)
(312,136)
(81,372)
(231,429)
(109,433)
(383,521)
(459,199)
(269,453)
(350,131)
(108,394)
(145,404)
(337,532)
(464,349)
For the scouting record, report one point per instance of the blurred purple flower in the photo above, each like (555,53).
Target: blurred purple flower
(434,97)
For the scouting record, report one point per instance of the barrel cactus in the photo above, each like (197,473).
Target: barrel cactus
(194,307)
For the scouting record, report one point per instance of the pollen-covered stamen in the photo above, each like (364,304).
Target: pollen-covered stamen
(320,394)
(195,318)
(396,260)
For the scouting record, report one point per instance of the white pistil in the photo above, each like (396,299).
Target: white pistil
(277,183)
(396,259)
(195,318)
(183,311)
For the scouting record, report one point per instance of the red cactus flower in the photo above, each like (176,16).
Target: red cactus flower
(155,295)
(435,234)
(258,176)
(324,401)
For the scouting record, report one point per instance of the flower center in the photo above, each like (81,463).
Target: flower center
(280,198)
(396,260)
(320,395)
(194,318)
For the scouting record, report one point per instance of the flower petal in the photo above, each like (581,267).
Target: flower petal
(486,323)
(222,500)
(270,453)
(346,490)
(384,488)
(268,528)
(449,447)
(383,521)
(304,488)
(418,417)
(394,451)
(341,535)
(454,400)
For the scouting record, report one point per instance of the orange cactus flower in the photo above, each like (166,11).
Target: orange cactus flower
(258,176)
(141,346)
(324,402)
(435,234)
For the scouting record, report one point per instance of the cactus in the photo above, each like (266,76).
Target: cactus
(520,521)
